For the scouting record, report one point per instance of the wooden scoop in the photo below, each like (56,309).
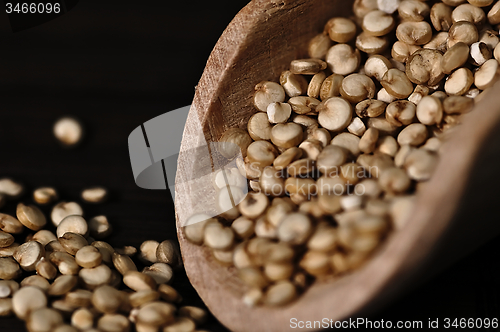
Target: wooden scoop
(258,45)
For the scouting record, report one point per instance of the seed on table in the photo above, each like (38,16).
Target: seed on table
(79,298)
(396,83)
(162,273)
(53,246)
(99,227)
(65,308)
(414,134)
(370,108)
(140,298)
(420,164)
(295,228)
(73,224)
(82,319)
(195,225)
(218,236)
(113,323)
(10,188)
(147,251)
(302,105)
(417,94)
(342,59)
(459,81)
(414,33)
(479,53)
(46,269)
(278,112)
(6,239)
(331,86)
(169,294)
(315,263)
(487,74)
(44,320)
(357,127)
(307,66)
(226,201)
(300,168)
(294,85)
(384,96)
(259,127)
(400,112)
(320,134)
(253,297)
(440,16)
(10,225)
(44,237)
(253,277)
(36,281)
(95,277)
(378,23)
(403,152)
(271,182)
(387,145)
(314,87)
(263,153)
(94,195)
(283,135)
(88,257)
(319,45)
(156,314)
(264,229)
(287,157)
(72,242)
(62,285)
(233,142)
(323,239)
(334,114)
(168,252)
(29,254)
(394,180)
(376,66)
(368,141)
(430,110)
(347,141)
(374,164)
(64,262)
(30,216)
(371,44)
(494,14)
(107,299)
(123,263)
(6,309)
(340,29)
(462,31)
(64,209)
(267,93)
(401,51)
(8,288)
(413,11)
(489,37)
(28,299)
(424,67)
(280,293)
(468,13)
(458,105)
(45,195)
(243,227)
(357,87)
(69,131)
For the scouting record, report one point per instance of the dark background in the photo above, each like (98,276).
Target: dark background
(115,65)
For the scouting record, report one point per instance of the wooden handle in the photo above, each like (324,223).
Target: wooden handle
(258,44)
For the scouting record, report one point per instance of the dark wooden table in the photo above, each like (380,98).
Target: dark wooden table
(116,64)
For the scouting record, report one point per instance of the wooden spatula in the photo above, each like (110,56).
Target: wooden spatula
(258,45)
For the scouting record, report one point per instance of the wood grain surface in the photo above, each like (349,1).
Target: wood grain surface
(116,64)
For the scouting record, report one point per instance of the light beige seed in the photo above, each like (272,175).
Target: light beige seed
(28,299)
(334,114)
(113,323)
(88,257)
(387,145)
(368,141)
(415,11)
(489,37)
(280,293)
(253,297)
(95,277)
(182,324)
(218,237)
(378,23)
(348,142)
(287,157)
(271,182)
(82,319)
(494,14)
(9,224)
(64,209)
(295,228)
(304,120)
(468,13)
(30,216)
(363,7)
(459,82)
(300,186)
(414,33)
(384,96)
(294,85)
(430,110)
(197,315)
(432,144)
(6,309)
(107,299)
(64,262)
(161,273)
(311,148)
(62,285)
(479,53)
(44,237)
(263,229)
(315,263)
(323,239)
(370,108)
(79,298)
(356,127)
(123,263)
(487,74)
(45,195)
(29,254)
(147,251)
(457,105)
(69,131)
(420,164)
(278,271)
(100,227)
(455,57)
(441,16)
(303,105)
(284,135)
(340,29)
(278,112)
(357,87)
(95,195)
(168,252)
(226,201)
(106,251)
(319,45)
(63,307)
(424,67)
(36,281)
(382,125)
(259,127)
(401,51)
(331,86)
(462,31)
(169,294)
(438,42)
(414,134)
(138,299)
(307,66)
(266,93)
(314,87)
(9,251)
(46,269)
(156,314)
(253,277)
(376,66)
(233,142)
(371,44)
(394,180)
(400,112)
(73,224)
(6,239)
(72,242)
(397,84)
(8,288)
(44,320)
(10,188)
(263,153)
(342,59)
(243,227)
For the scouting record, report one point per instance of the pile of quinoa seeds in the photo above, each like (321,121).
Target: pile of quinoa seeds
(339,145)
(70,280)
